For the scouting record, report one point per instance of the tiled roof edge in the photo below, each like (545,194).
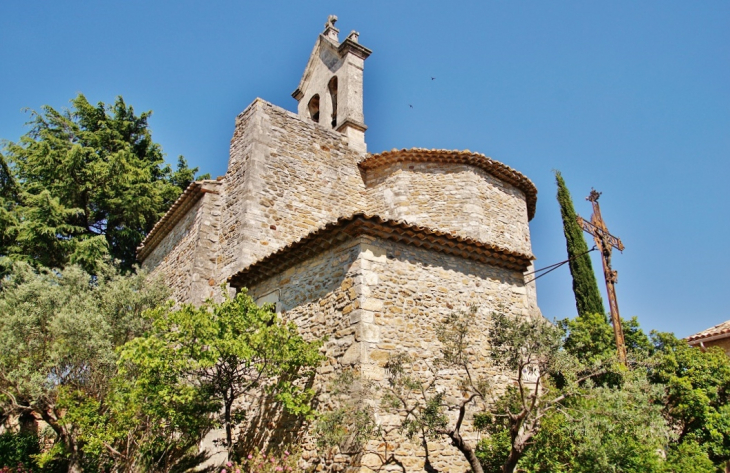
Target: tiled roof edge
(495,168)
(173,215)
(358,224)
(719,329)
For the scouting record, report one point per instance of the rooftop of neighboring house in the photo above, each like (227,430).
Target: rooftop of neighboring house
(719,335)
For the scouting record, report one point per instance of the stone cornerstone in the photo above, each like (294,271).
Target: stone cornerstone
(370,250)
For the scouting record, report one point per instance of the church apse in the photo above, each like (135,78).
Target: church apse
(370,250)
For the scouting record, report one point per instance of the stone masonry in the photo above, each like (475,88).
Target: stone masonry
(369,250)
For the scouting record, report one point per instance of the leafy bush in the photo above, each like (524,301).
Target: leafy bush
(16,451)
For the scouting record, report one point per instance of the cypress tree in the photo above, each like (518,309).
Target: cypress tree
(587,297)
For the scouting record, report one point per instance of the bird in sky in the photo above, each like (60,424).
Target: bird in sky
(433,78)
(410,105)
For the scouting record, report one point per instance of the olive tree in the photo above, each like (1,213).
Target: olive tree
(59,335)
(528,349)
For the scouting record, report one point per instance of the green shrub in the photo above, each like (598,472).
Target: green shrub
(16,452)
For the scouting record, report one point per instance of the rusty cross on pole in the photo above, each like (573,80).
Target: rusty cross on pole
(605,242)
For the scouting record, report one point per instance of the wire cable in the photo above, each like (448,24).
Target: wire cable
(553,267)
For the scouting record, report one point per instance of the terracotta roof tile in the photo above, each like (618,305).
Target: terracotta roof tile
(720,329)
(358,224)
(495,168)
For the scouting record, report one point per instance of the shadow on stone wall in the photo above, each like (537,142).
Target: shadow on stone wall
(439,261)
(270,427)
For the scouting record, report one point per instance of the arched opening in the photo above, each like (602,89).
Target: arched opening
(332,86)
(314,108)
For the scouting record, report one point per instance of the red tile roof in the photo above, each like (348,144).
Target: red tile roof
(715,332)
(358,224)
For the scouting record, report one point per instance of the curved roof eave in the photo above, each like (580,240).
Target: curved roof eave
(358,224)
(718,331)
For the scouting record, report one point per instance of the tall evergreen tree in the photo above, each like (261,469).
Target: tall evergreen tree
(587,297)
(8,196)
(87,183)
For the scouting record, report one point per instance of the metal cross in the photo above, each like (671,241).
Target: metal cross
(605,242)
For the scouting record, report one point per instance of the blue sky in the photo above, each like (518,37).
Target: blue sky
(632,98)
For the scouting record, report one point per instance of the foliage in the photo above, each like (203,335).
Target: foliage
(695,385)
(124,391)
(671,399)
(8,197)
(608,421)
(18,449)
(351,421)
(83,184)
(587,297)
(528,347)
(638,344)
(19,468)
(607,428)
(204,358)
(697,398)
(548,378)
(58,338)
(7,183)
(493,450)
(689,457)
(127,434)
(590,337)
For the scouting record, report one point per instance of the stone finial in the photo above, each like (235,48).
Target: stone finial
(329,28)
(330,91)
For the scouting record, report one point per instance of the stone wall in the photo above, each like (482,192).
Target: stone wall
(286,177)
(408,291)
(456,198)
(186,258)
(205,283)
(173,256)
(319,295)
(376,298)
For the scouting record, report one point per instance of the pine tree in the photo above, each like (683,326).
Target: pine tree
(83,185)
(587,297)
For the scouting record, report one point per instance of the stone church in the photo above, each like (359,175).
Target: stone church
(369,249)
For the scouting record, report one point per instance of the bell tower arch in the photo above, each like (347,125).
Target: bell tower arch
(333,80)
